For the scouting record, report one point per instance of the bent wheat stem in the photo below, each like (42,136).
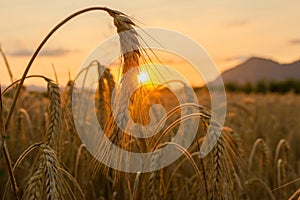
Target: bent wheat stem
(44,41)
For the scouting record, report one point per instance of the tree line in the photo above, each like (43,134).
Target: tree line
(266,87)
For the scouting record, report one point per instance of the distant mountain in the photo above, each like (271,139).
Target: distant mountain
(30,88)
(36,88)
(257,69)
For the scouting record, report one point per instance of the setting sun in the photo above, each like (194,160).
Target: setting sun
(143,77)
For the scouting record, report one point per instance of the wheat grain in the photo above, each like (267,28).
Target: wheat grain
(54,111)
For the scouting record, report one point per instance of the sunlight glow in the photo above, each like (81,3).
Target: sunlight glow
(143,77)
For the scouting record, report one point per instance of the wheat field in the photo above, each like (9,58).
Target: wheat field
(255,157)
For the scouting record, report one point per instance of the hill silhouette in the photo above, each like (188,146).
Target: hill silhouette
(257,69)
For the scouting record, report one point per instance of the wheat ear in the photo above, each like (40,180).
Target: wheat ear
(54,111)
(219,170)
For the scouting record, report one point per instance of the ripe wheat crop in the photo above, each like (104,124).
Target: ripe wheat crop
(256,156)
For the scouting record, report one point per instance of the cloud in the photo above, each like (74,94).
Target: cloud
(46,52)
(236,23)
(294,42)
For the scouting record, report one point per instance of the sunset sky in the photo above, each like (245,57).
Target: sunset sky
(230,31)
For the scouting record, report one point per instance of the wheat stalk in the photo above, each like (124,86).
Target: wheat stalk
(187,155)
(130,58)
(67,110)
(25,113)
(47,181)
(54,111)
(44,177)
(101,106)
(154,177)
(78,155)
(34,189)
(295,195)
(55,74)
(263,186)
(284,147)
(219,170)
(6,64)
(136,186)
(51,173)
(130,53)
(105,89)
(3,145)
(44,41)
(265,156)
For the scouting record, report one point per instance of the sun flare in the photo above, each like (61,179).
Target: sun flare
(143,77)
